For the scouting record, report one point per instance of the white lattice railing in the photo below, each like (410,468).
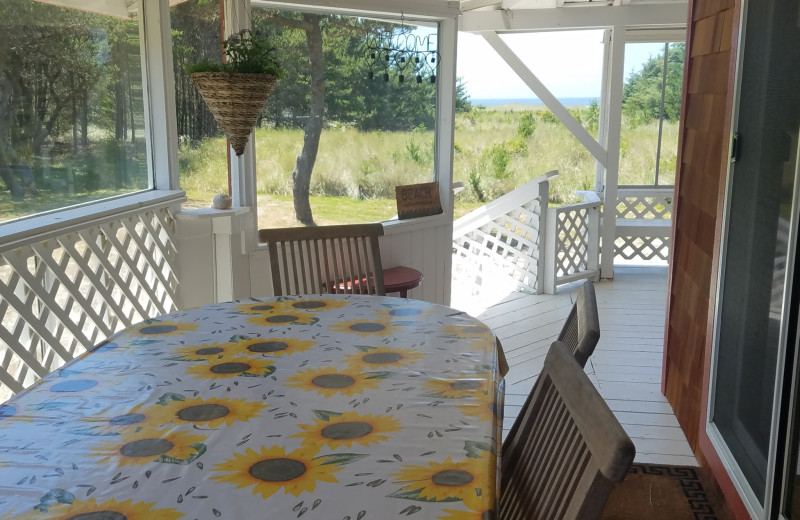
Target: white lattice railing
(644,222)
(62,292)
(497,246)
(573,242)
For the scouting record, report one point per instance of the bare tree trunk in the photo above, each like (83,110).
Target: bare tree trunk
(304,165)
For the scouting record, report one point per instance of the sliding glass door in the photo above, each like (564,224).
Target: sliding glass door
(753,328)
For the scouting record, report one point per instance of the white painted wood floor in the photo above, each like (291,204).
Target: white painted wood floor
(625,366)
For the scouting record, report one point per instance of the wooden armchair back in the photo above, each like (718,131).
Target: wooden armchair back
(325,259)
(570,449)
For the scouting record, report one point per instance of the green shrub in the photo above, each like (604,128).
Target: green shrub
(526,126)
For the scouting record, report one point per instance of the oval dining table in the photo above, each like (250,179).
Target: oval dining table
(335,407)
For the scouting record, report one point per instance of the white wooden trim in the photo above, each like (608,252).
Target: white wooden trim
(538,88)
(158,85)
(614,104)
(669,15)
(602,123)
(27,231)
(424,8)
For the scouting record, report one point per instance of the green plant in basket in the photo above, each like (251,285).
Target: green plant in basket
(247,53)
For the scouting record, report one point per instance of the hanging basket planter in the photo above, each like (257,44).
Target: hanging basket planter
(236,100)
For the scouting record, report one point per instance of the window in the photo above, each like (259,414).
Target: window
(196,30)
(376,132)
(71,107)
(651,105)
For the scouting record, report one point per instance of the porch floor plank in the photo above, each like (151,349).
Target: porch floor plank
(625,367)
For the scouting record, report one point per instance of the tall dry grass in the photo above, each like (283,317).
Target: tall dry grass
(495,151)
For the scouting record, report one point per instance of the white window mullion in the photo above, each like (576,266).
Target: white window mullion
(158,84)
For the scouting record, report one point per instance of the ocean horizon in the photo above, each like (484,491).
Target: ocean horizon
(566,101)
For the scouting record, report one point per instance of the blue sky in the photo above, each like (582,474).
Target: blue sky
(569,63)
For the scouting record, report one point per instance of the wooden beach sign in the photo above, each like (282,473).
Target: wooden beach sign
(418,200)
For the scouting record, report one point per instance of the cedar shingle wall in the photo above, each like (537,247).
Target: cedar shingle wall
(699,181)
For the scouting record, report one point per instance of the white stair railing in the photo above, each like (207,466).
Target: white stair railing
(573,242)
(644,222)
(62,292)
(498,246)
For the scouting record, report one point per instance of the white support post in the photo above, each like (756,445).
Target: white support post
(158,86)
(602,123)
(614,103)
(545,237)
(593,246)
(550,252)
(445,137)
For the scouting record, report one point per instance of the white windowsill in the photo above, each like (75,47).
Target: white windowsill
(62,221)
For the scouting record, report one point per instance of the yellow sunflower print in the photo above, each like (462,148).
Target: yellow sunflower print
(134,418)
(383,357)
(468,330)
(259,308)
(458,388)
(207,352)
(313,304)
(466,480)
(228,367)
(128,509)
(147,445)
(211,412)
(163,328)
(284,318)
(348,428)
(330,381)
(366,327)
(274,346)
(272,469)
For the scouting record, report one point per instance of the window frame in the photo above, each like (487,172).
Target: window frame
(160,137)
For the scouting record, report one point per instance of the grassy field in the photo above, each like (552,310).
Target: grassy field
(355,174)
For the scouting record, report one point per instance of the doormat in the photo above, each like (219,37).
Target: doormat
(660,492)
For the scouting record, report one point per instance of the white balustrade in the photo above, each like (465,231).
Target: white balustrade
(643,222)
(62,292)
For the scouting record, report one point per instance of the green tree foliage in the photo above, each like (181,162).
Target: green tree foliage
(641,97)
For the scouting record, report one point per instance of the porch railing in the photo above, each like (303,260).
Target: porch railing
(573,242)
(498,246)
(63,291)
(644,222)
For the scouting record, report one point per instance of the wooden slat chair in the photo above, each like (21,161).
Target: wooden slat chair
(570,450)
(580,333)
(325,259)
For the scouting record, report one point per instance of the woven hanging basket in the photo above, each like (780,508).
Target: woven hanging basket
(235,99)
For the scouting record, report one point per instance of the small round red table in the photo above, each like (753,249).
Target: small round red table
(401,279)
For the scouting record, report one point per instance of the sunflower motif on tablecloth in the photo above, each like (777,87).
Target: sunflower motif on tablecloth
(156,328)
(366,327)
(337,430)
(272,469)
(331,381)
(135,418)
(469,386)
(284,318)
(314,304)
(210,412)
(466,480)
(149,445)
(372,358)
(208,352)
(259,308)
(232,366)
(109,509)
(469,330)
(283,346)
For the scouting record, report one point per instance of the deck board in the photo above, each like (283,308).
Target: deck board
(626,366)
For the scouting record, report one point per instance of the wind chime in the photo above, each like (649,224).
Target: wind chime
(401,50)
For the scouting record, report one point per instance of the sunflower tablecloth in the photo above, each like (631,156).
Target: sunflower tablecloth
(336,407)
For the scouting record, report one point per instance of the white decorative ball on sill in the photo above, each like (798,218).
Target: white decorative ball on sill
(221,201)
